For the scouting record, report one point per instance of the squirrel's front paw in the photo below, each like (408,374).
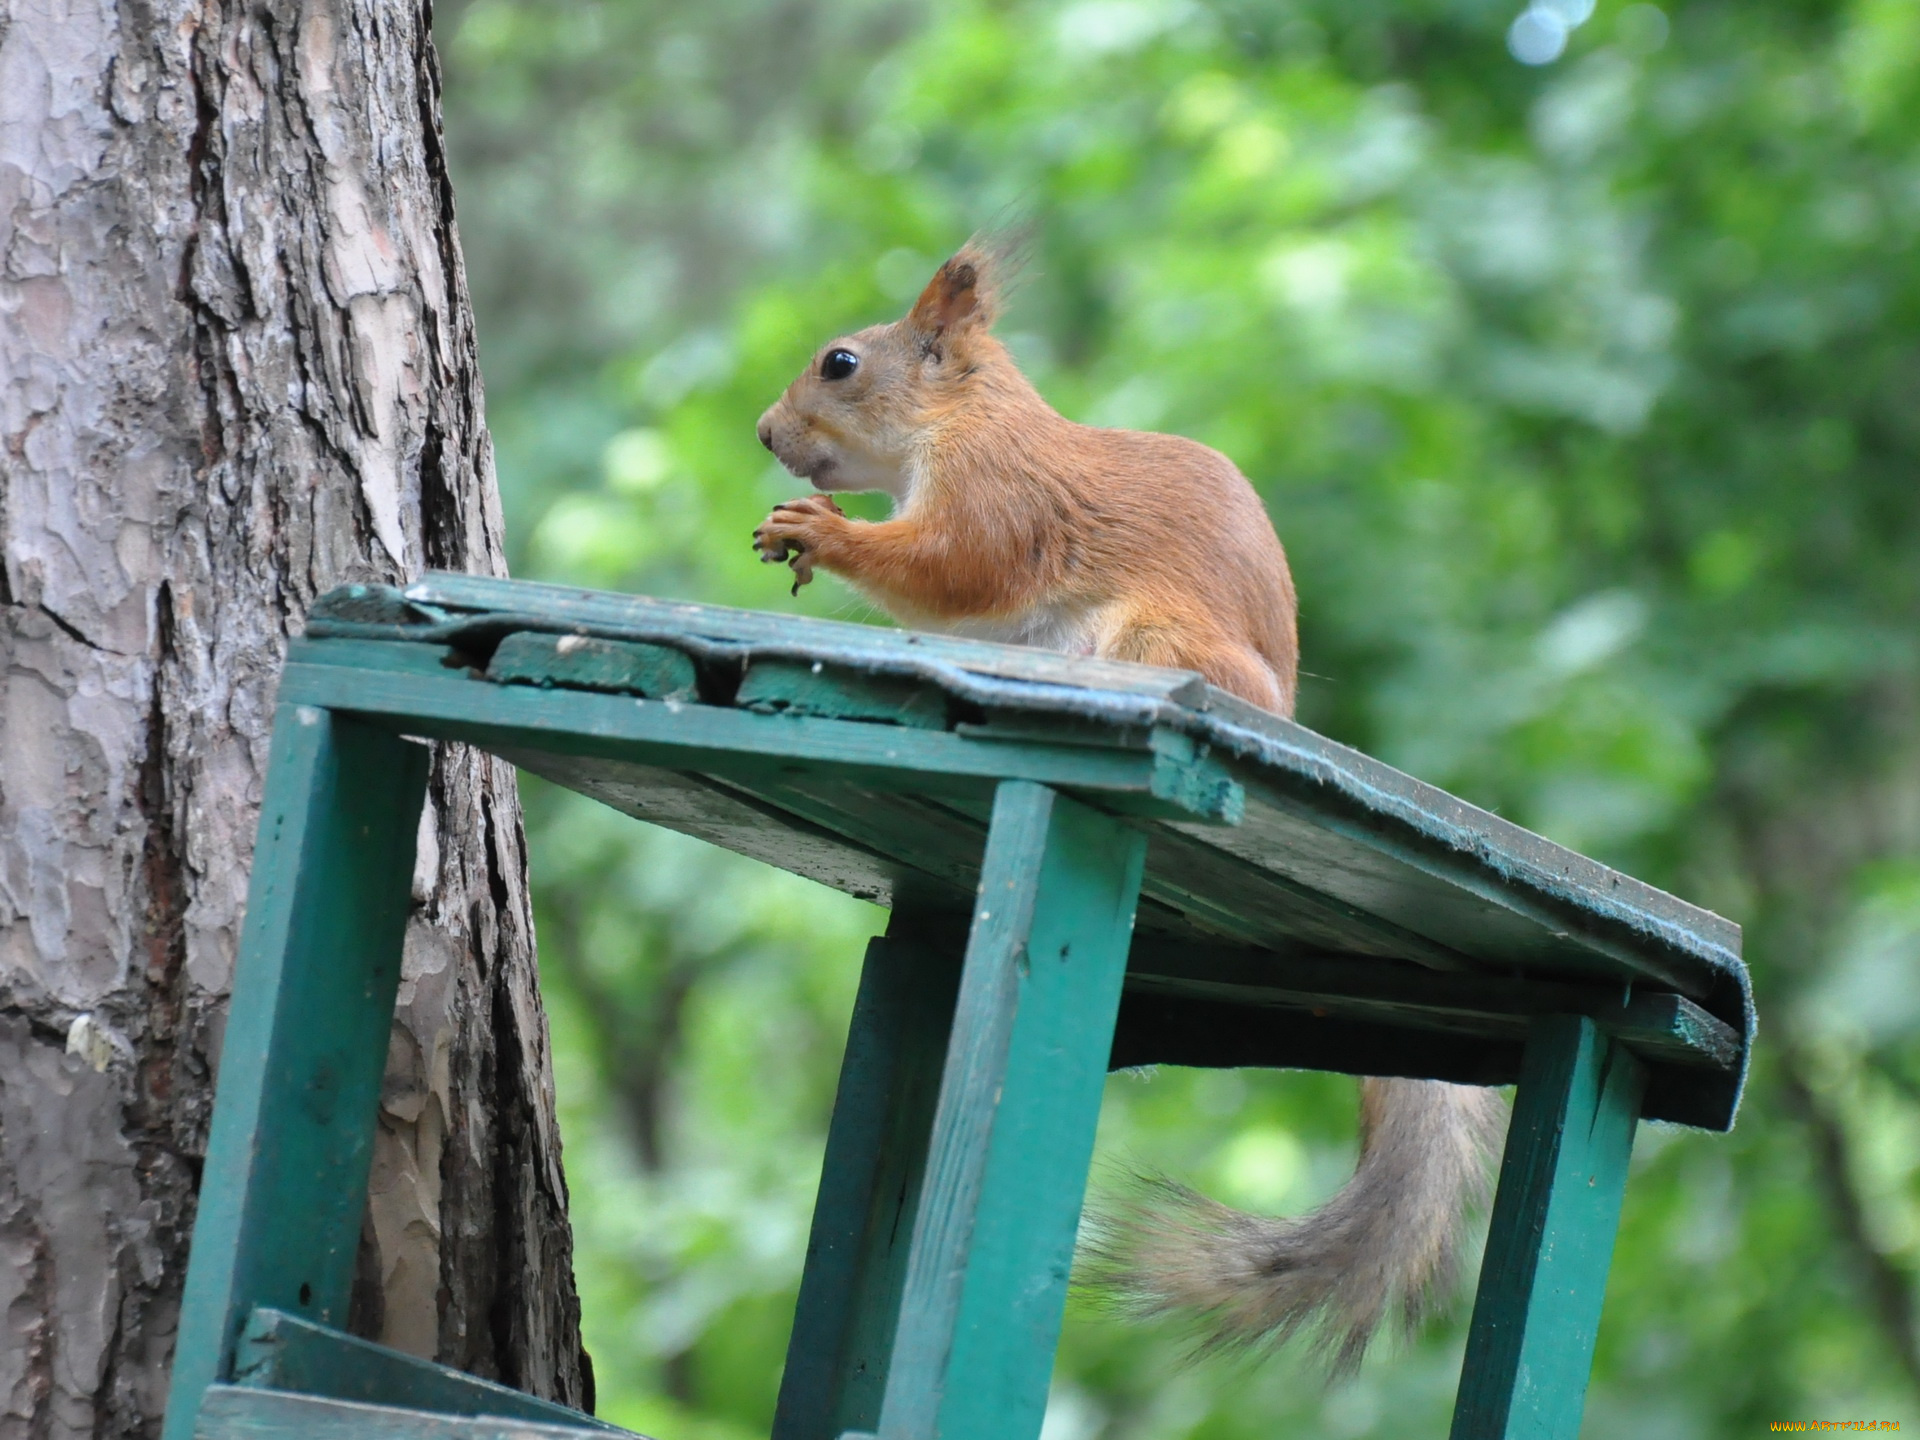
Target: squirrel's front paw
(793,531)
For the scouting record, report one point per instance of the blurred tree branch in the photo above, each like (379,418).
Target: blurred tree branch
(1810,814)
(637,1039)
(637,1045)
(1889,1284)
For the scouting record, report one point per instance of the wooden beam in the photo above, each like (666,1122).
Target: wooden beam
(739,744)
(1530,1348)
(580,662)
(795,687)
(283,1352)
(548,606)
(870,1187)
(1664,1026)
(285,1181)
(1013,1136)
(234,1413)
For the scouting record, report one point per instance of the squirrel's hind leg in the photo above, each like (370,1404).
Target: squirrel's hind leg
(1237,669)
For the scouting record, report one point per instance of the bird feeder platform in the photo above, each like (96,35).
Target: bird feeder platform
(1090,866)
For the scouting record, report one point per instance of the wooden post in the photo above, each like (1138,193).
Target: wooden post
(1530,1348)
(843,1325)
(306,1042)
(1013,1133)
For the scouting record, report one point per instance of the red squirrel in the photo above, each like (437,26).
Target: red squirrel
(1013,523)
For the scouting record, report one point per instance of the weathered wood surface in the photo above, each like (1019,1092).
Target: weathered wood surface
(1550,1245)
(478,603)
(1341,788)
(282,1352)
(563,607)
(285,1182)
(236,1413)
(578,662)
(870,1186)
(1012,1137)
(1429,828)
(1190,1005)
(513,718)
(237,368)
(866,758)
(809,687)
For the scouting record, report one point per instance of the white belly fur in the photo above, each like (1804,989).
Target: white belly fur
(1076,631)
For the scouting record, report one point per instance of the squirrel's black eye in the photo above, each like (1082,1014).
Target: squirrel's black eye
(838,364)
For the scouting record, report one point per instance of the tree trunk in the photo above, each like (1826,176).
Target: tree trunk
(236,368)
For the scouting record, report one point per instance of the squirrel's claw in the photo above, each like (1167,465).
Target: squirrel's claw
(811,505)
(774,542)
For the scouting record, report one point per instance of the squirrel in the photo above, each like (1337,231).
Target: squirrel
(1013,523)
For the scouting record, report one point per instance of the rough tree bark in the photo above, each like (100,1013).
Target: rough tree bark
(236,368)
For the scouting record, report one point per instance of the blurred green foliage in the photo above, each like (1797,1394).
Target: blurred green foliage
(1586,398)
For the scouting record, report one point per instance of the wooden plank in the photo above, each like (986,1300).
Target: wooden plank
(1055,729)
(1332,773)
(914,830)
(870,1185)
(1530,1348)
(413,657)
(1224,897)
(1364,1031)
(1338,852)
(564,604)
(283,1352)
(1358,1003)
(1435,852)
(235,1413)
(1478,885)
(285,1180)
(745,746)
(370,605)
(1368,1000)
(1158,1028)
(1457,905)
(798,687)
(1672,1027)
(1013,1135)
(721,815)
(1573,906)
(1163,1027)
(581,662)
(1445,834)
(1661,1025)
(1220,891)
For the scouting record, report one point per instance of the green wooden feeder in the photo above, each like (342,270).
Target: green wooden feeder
(1090,865)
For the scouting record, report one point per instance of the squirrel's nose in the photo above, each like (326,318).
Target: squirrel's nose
(766,432)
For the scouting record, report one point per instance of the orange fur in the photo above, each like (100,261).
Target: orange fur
(1012,522)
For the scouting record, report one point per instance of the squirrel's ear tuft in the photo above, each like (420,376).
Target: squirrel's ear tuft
(962,293)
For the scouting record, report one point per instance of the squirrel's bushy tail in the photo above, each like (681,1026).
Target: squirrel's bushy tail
(1388,1241)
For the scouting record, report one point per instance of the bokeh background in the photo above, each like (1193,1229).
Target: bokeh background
(1577,354)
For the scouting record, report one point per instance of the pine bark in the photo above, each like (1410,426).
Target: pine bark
(237,368)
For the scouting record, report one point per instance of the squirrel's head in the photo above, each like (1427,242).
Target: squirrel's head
(854,417)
